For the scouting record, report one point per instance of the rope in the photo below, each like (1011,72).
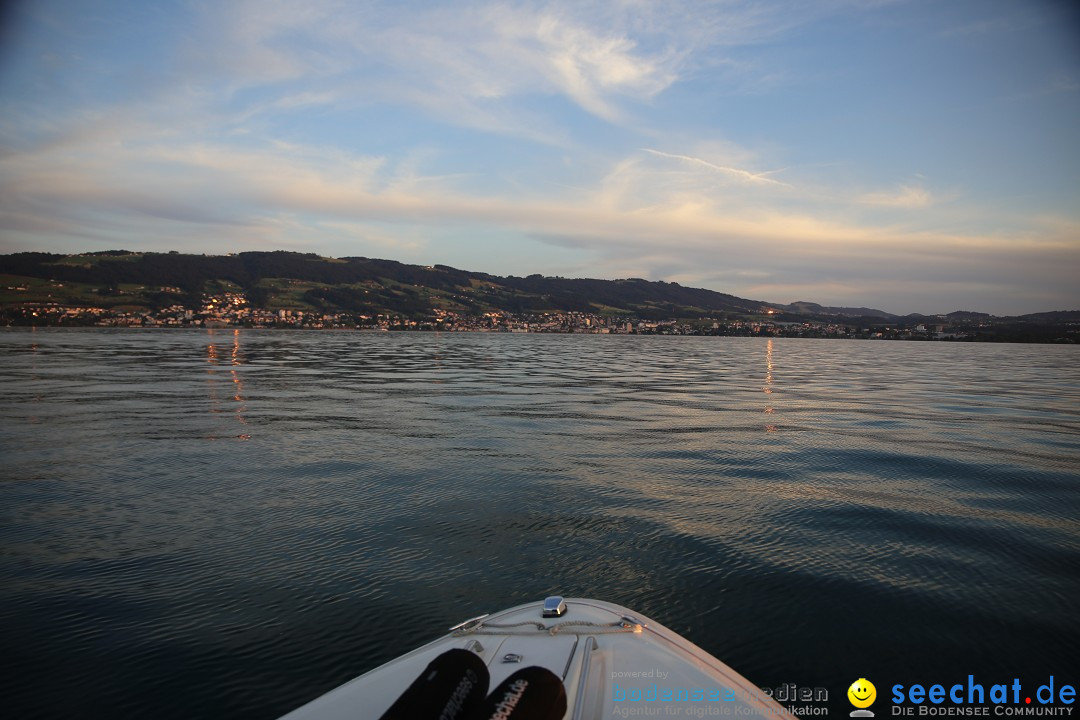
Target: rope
(537,625)
(482,628)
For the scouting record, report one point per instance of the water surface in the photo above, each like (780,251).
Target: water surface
(229,523)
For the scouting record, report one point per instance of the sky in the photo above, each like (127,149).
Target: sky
(908,155)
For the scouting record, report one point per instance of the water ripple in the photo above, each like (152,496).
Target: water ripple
(229,523)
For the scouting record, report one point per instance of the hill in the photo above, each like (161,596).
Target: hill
(276,289)
(286,280)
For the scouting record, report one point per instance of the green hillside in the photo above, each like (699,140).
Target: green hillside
(285,280)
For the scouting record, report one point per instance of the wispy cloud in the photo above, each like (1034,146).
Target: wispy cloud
(1025,18)
(455,61)
(290,194)
(979,27)
(480,64)
(758,177)
(906,196)
(397,129)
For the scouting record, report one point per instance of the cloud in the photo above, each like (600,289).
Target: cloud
(458,62)
(1026,17)
(484,64)
(907,196)
(760,177)
(401,244)
(223,185)
(336,126)
(636,217)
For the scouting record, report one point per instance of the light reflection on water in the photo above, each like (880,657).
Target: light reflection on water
(769,427)
(214,356)
(230,522)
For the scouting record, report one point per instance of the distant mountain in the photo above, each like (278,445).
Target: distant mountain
(1054,317)
(810,308)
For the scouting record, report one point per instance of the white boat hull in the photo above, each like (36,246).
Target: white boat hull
(613,663)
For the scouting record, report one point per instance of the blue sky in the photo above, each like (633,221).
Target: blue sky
(915,156)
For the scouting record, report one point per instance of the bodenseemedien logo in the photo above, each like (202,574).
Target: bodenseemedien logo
(862,694)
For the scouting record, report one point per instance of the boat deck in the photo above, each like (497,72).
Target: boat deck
(609,658)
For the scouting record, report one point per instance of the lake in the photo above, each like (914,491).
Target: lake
(229,523)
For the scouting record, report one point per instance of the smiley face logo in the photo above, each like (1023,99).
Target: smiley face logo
(862,693)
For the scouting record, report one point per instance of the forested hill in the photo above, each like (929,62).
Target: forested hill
(283,279)
(288,280)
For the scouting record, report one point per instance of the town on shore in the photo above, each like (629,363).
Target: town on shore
(287,290)
(232,310)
